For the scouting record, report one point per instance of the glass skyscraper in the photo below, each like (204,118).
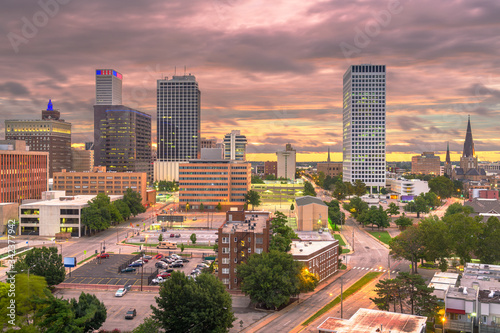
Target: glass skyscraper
(178,119)
(364,125)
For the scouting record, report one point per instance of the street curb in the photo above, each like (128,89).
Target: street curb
(375,238)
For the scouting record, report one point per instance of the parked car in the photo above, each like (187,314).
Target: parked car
(320,231)
(140,261)
(194,218)
(202,265)
(158,280)
(147,257)
(170,270)
(172,235)
(184,260)
(175,256)
(103,255)
(176,265)
(159,256)
(161,264)
(120,292)
(178,235)
(128,269)
(127,287)
(135,264)
(164,275)
(131,313)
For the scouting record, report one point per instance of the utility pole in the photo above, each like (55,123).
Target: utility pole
(389,264)
(353,239)
(142,272)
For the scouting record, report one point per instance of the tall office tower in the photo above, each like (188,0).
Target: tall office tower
(50,134)
(286,164)
(235,146)
(178,119)
(108,87)
(122,139)
(364,125)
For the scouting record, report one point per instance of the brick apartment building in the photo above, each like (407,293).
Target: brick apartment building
(100,181)
(24,174)
(270,168)
(320,257)
(332,169)
(243,234)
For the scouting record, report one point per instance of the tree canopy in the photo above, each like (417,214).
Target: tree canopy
(193,305)
(252,198)
(45,262)
(442,186)
(270,278)
(392,209)
(134,201)
(282,234)
(375,216)
(359,188)
(309,189)
(356,207)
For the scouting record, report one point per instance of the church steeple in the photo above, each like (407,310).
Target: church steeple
(328,154)
(448,159)
(469,143)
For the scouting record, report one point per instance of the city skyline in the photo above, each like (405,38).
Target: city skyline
(277,79)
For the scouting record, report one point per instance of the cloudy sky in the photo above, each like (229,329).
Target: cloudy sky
(272,69)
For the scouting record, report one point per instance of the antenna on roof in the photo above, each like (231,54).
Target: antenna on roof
(175,70)
(184,70)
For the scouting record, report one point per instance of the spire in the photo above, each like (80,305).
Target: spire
(49,106)
(448,159)
(328,154)
(469,143)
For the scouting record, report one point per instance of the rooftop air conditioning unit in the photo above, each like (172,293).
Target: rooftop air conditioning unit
(301,250)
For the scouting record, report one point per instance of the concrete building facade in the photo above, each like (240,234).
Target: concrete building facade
(407,187)
(9,212)
(24,174)
(212,182)
(311,213)
(60,214)
(235,146)
(100,181)
(364,124)
(82,160)
(286,163)
(207,143)
(108,87)
(243,234)
(332,169)
(50,134)
(427,164)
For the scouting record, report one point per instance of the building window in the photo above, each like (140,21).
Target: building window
(235,239)
(225,261)
(225,250)
(225,271)
(225,281)
(259,240)
(235,250)
(249,250)
(258,250)
(225,240)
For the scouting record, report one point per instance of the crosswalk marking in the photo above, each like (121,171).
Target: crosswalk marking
(373,269)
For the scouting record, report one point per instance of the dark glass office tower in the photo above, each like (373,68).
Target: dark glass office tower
(178,119)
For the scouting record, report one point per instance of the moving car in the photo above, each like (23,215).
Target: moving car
(128,269)
(167,244)
(178,235)
(172,235)
(120,292)
(131,313)
(194,218)
(159,256)
(103,256)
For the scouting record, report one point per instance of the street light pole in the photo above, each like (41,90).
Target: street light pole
(353,239)
(341,298)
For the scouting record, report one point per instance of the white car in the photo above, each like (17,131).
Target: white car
(120,292)
(158,280)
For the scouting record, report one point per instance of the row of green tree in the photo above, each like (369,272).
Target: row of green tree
(166,186)
(457,234)
(101,212)
(407,293)
(256,179)
(36,309)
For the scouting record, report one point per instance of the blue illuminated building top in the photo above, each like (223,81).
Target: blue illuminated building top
(49,106)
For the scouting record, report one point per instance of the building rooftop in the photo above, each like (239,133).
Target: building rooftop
(489,296)
(307,200)
(305,248)
(486,277)
(77,200)
(366,320)
(254,221)
(467,294)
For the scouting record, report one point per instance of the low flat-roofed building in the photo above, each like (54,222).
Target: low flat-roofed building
(243,233)
(320,257)
(427,163)
(311,212)
(367,320)
(441,281)
(49,217)
(332,169)
(481,276)
(460,304)
(489,310)
(407,187)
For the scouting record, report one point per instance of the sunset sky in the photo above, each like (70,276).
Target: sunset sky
(272,69)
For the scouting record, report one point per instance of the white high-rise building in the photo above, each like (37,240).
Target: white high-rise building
(108,87)
(364,125)
(235,146)
(286,163)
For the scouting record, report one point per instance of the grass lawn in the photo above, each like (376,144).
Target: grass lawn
(196,247)
(383,236)
(346,250)
(86,259)
(350,291)
(341,241)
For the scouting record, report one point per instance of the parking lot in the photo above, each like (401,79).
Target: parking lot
(106,272)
